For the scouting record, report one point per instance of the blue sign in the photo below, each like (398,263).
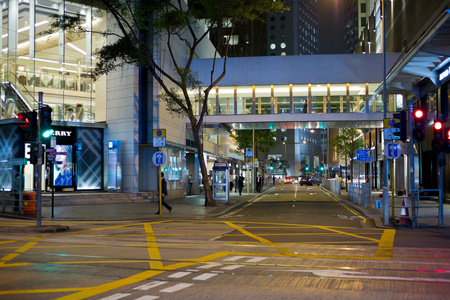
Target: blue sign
(248,152)
(364,155)
(392,150)
(159,158)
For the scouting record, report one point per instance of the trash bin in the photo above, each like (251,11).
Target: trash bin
(29,202)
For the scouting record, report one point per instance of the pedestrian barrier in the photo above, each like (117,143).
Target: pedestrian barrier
(420,204)
(360,193)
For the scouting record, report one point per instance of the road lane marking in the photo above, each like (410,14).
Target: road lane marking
(152,248)
(100,289)
(150,285)
(20,250)
(176,287)
(147,297)
(345,206)
(204,276)
(208,266)
(262,240)
(231,267)
(386,244)
(179,274)
(349,234)
(116,296)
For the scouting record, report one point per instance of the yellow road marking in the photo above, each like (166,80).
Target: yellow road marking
(386,244)
(349,234)
(262,240)
(345,206)
(152,247)
(19,250)
(41,291)
(96,290)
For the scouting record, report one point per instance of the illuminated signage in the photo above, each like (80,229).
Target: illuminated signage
(444,74)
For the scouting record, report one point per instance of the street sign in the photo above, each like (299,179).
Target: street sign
(364,155)
(389,133)
(159,158)
(50,150)
(248,152)
(159,137)
(389,123)
(17,161)
(392,150)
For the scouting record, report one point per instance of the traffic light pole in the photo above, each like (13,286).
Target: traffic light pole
(39,167)
(411,150)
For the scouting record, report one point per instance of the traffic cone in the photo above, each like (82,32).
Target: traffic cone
(404,219)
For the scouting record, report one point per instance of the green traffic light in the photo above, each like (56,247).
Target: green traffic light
(47,133)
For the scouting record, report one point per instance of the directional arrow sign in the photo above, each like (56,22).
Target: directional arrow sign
(159,158)
(392,150)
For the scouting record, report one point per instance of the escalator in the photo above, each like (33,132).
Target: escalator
(15,98)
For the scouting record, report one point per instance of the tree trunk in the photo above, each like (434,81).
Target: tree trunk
(209,199)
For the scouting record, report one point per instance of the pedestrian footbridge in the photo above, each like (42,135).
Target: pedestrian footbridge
(292,92)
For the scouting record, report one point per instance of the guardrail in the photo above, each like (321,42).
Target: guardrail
(415,205)
(25,204)
(360,193)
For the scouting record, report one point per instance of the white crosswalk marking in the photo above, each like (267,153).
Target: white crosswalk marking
(232,267)
(204,276)
(176,288)
(252,259)
(150,285)
(234,258)
(116,296)
(209,266)
(147,298)
(256,259)
(179,274)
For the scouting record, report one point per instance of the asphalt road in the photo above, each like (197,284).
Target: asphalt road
(292,243)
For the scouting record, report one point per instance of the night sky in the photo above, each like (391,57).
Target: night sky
(331,26)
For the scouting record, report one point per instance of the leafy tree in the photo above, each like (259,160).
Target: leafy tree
(138,22)
(279,165)
(263,140)
(346,144)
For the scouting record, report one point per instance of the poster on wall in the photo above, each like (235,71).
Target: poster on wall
(63,166)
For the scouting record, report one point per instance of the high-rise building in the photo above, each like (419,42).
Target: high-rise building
(357,13)
(294,32)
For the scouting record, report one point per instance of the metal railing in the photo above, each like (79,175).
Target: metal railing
(415,205)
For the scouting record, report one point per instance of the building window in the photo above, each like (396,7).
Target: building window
(363,7)
(234,39)
(363,21)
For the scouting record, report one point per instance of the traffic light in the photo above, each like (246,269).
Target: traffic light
(34,153)
(419,124)
(402,125)
(321,168)
(306,168)
(437,144)
(30,126)
(447,140)
(46,121)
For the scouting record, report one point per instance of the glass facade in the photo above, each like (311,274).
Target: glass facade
(36,58)
(306,98)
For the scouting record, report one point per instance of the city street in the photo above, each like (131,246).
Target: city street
(293,242)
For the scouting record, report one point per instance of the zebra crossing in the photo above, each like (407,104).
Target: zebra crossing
(170,287)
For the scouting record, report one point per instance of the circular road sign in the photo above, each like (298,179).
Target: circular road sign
(159,158)
(393,150)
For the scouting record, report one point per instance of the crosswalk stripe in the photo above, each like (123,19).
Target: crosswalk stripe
(176,288)
(179,274)
(150,285)
(116,296)
(204,276)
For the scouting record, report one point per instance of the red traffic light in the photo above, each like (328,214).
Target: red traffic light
(438,125)
(418,114)
(24,117)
